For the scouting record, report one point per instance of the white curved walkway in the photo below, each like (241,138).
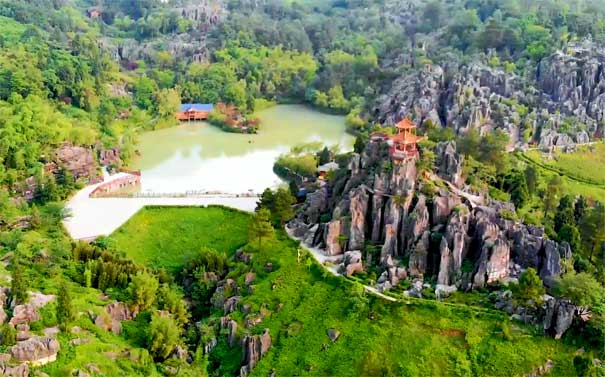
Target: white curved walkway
(94,217)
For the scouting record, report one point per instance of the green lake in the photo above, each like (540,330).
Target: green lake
(199,157)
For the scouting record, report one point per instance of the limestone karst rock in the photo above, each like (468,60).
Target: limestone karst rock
(254,347)
(358,209)
(36,350)
(443,235)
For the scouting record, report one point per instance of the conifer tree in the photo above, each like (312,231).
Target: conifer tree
(260,226)
(18,282)
(65,310)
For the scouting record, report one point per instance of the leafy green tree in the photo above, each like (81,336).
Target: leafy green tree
(530,287)
(143,290)
(570,234)
(267,200)
(164,335)
(580,209)
(8,335)
(519,193)
(8,209)
(260,226)
(235,94)
(531,177)
(145,93)
(565,213)
(582,289)
(592,228)
(324,156)
(432,14)
(492,149)
(551,197)
(65,311)
(337,99)
(171,300)
(293,186)
(168,102)
(469,143)
(462,29)
(359,145)
(282,209)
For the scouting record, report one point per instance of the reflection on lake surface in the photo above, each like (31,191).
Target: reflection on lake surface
(198,156)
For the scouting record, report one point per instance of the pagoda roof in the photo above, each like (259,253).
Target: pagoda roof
(406,138)
(405,124)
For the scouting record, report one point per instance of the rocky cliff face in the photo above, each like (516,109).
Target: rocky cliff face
(446,237)
(567,89)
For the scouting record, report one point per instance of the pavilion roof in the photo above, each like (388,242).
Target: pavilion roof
(197,107)
(405,124)
(406,138)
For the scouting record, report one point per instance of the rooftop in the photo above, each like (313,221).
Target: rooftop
(406,138)
(197,107)
(405,124)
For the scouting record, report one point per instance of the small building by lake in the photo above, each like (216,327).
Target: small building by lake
(194,111)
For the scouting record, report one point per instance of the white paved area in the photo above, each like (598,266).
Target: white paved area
(93,217)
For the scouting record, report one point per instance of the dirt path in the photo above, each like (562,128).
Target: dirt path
(322,259)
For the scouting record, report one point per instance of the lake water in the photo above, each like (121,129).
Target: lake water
(200,157)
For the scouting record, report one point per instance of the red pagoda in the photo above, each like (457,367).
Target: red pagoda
(404,144)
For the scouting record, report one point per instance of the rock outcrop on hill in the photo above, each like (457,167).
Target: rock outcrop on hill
(111,319)
(14,371)
(561,105)
(254,347)
(459,240)
(191,46)
(79,161)
(36,351)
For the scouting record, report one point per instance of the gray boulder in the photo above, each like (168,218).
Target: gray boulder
(36,351)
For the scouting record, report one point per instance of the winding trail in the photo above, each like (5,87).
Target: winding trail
(93,217)
(323,260)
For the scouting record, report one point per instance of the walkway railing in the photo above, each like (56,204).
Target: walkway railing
(186,194)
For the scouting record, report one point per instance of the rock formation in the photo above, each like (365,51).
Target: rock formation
(24,314)
(14,371)
(112,317)
(36,351)
(351,263)
(566,85)
(79,161)
(460,242)
(254,347)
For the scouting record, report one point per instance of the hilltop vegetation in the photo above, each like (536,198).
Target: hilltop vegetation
(80,79)
(299,303)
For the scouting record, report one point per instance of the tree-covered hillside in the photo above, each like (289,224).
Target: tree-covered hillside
(507,94)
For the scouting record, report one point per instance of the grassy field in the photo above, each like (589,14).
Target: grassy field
(579,177)
(583,164)
(167,236)
(299,302)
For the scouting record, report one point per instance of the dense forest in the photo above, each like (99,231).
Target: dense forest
(81,79)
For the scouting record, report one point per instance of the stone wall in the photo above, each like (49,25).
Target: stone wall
(120,185)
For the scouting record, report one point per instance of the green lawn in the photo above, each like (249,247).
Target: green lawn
(587,166)
(584,163)
(299,302)
(165,237)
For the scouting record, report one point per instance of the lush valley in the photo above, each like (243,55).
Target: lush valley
(480,251)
